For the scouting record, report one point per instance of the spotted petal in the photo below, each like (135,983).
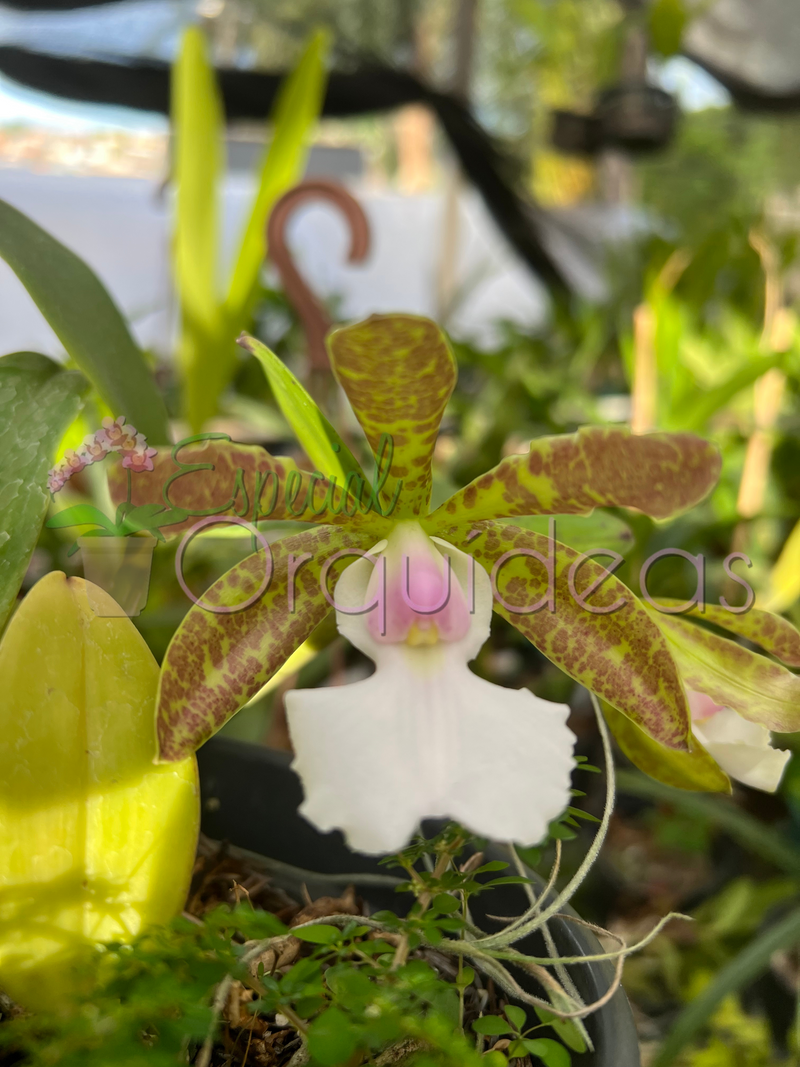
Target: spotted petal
(620,655)
(398,373)
(599,466)
(771,632)
(695,770)
(217,661)
(220,477)
(760,690)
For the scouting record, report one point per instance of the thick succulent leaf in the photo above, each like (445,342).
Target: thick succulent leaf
(86,321)
(621,655)
(694,770)
(96,841)
(216,476)
(398,373)
(38,401)
(216,662)
(599,466)
(320,441)
(771,632)
(760,690)
(784,578)
(293,122)
(206,352)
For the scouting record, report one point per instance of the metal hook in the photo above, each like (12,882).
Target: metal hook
(313,315)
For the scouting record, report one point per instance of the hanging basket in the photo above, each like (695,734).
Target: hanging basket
(121,567)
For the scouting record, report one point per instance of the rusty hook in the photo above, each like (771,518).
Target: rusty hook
(313,315)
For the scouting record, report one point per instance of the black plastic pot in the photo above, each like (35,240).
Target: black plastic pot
(637,117)
(250,798)
(576,134)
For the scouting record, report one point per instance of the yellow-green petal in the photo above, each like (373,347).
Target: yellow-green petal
(732,675)
(96,841)
(599,466)
(620,655)
(694,770)
(215,662)
(398,373)
(771,632)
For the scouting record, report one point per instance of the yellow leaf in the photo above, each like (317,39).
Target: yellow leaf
(96,841)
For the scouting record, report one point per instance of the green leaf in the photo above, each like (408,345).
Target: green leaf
(466,978)
(444,903)
(695,414)
(784,578)
(86,321)
(332,1038)
(491,1026)
(515,1015)
(494,1059)
(296,112)
(495,865)
(559,832)
(739,973)
(317,935)
(198,124)
(580,814)
(550,1052)
(668,19)
(566,1029)
(37,403)
(531,857)
(80,515)
(512,879)
(322,444)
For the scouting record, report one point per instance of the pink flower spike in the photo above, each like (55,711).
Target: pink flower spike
(139,461)
(55,480)
(116,435)
(139,444)
(93,448)
(72,463)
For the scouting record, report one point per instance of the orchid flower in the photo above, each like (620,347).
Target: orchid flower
(117,435)
(433,739)
(423,735)
(742,749)
(138,457)
(94,447)
(72,463)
